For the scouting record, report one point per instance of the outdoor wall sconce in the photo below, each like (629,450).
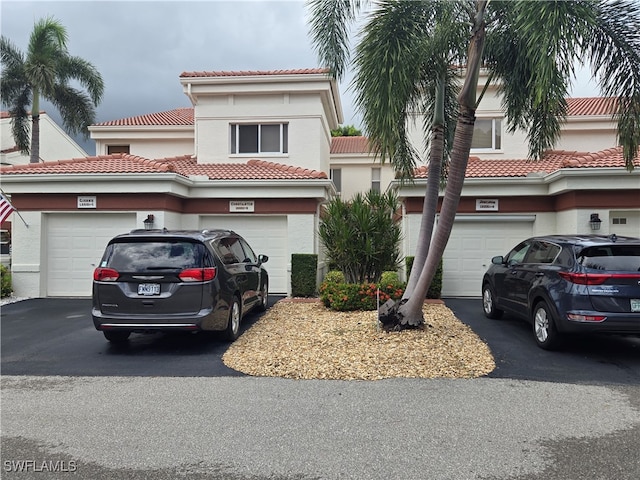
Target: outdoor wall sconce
(148,222)
(594,221)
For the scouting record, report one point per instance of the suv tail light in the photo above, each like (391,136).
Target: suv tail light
(594,278)
(101,274)
(198,274)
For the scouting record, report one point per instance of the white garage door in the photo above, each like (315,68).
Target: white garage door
(473,241)
(266,235)
(75,243)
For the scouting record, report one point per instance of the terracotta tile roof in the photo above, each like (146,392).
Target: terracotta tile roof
(349,145)
(183,165)
(184,116)
(590,106)
(250,73)
(178,116)
(552,161)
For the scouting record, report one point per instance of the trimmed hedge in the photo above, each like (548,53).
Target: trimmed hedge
(304,271)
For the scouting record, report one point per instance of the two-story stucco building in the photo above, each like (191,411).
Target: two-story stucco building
(255,154)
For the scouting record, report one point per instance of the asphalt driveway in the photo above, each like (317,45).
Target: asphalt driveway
(164,408)
(57,337)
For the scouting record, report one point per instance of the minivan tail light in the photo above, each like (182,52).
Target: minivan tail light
(101,274)
(198,274)
(595,278)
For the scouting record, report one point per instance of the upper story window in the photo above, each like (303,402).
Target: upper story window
(117,149)
(487,134)
(376,176)
(336,177)
(260,138)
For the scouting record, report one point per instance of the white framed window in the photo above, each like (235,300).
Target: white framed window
(619,221)
(259,138)
(336,176)
(487,134)
(376,175)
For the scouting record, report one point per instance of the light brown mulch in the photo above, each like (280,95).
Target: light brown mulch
(304,340)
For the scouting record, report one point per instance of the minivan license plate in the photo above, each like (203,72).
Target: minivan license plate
(635,304)
(149,289)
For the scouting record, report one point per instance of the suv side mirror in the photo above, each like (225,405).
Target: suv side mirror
(262,259)
(499,260)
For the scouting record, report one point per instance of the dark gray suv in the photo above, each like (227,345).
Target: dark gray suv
(152,280)
(567,284)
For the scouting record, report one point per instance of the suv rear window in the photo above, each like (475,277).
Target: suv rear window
(153,255)
(611,257)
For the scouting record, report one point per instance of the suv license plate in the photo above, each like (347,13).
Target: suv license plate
(149,289)
(635,304)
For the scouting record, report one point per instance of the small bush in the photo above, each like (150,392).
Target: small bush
(343,296)
(5,282)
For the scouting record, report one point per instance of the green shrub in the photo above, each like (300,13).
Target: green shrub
(435,289)
(334,276)
(5,282)
(343,296)
(304,270)
(361,237)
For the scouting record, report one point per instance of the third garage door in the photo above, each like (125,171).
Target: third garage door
(474,240)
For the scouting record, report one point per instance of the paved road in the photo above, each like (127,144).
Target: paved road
(518,425)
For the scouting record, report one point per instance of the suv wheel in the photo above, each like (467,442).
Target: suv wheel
(264,297)
(233,326)
(116,336)
(489,303)
(544,327)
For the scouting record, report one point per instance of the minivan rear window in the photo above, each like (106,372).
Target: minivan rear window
(143,256)
(611,258)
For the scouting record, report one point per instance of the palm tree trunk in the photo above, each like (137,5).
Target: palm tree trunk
(430,205)
(35,139)
(410,312)
(35,127)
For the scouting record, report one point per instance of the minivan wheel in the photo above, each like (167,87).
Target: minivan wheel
(233,326)
(544,327)
(264,297)
(116,336)
(489,303)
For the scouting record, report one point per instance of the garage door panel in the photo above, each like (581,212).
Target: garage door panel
(267,235)
(469,251)
(75,244)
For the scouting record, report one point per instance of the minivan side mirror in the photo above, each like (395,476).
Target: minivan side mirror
(499,260)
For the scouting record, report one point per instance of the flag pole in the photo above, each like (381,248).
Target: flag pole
(14,208)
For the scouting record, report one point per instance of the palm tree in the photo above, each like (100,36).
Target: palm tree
(530,48)
(45,72)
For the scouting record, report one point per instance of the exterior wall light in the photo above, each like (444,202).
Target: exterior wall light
(148,222)
(594,221)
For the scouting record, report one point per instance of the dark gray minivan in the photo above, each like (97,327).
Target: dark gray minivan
(163,280)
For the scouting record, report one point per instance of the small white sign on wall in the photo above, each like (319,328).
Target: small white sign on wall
(486,204)
(87,202)
(241,206)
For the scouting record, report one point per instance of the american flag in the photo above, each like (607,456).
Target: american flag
(6,208)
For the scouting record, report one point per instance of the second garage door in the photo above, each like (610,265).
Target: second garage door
(266,235)
(474,240)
